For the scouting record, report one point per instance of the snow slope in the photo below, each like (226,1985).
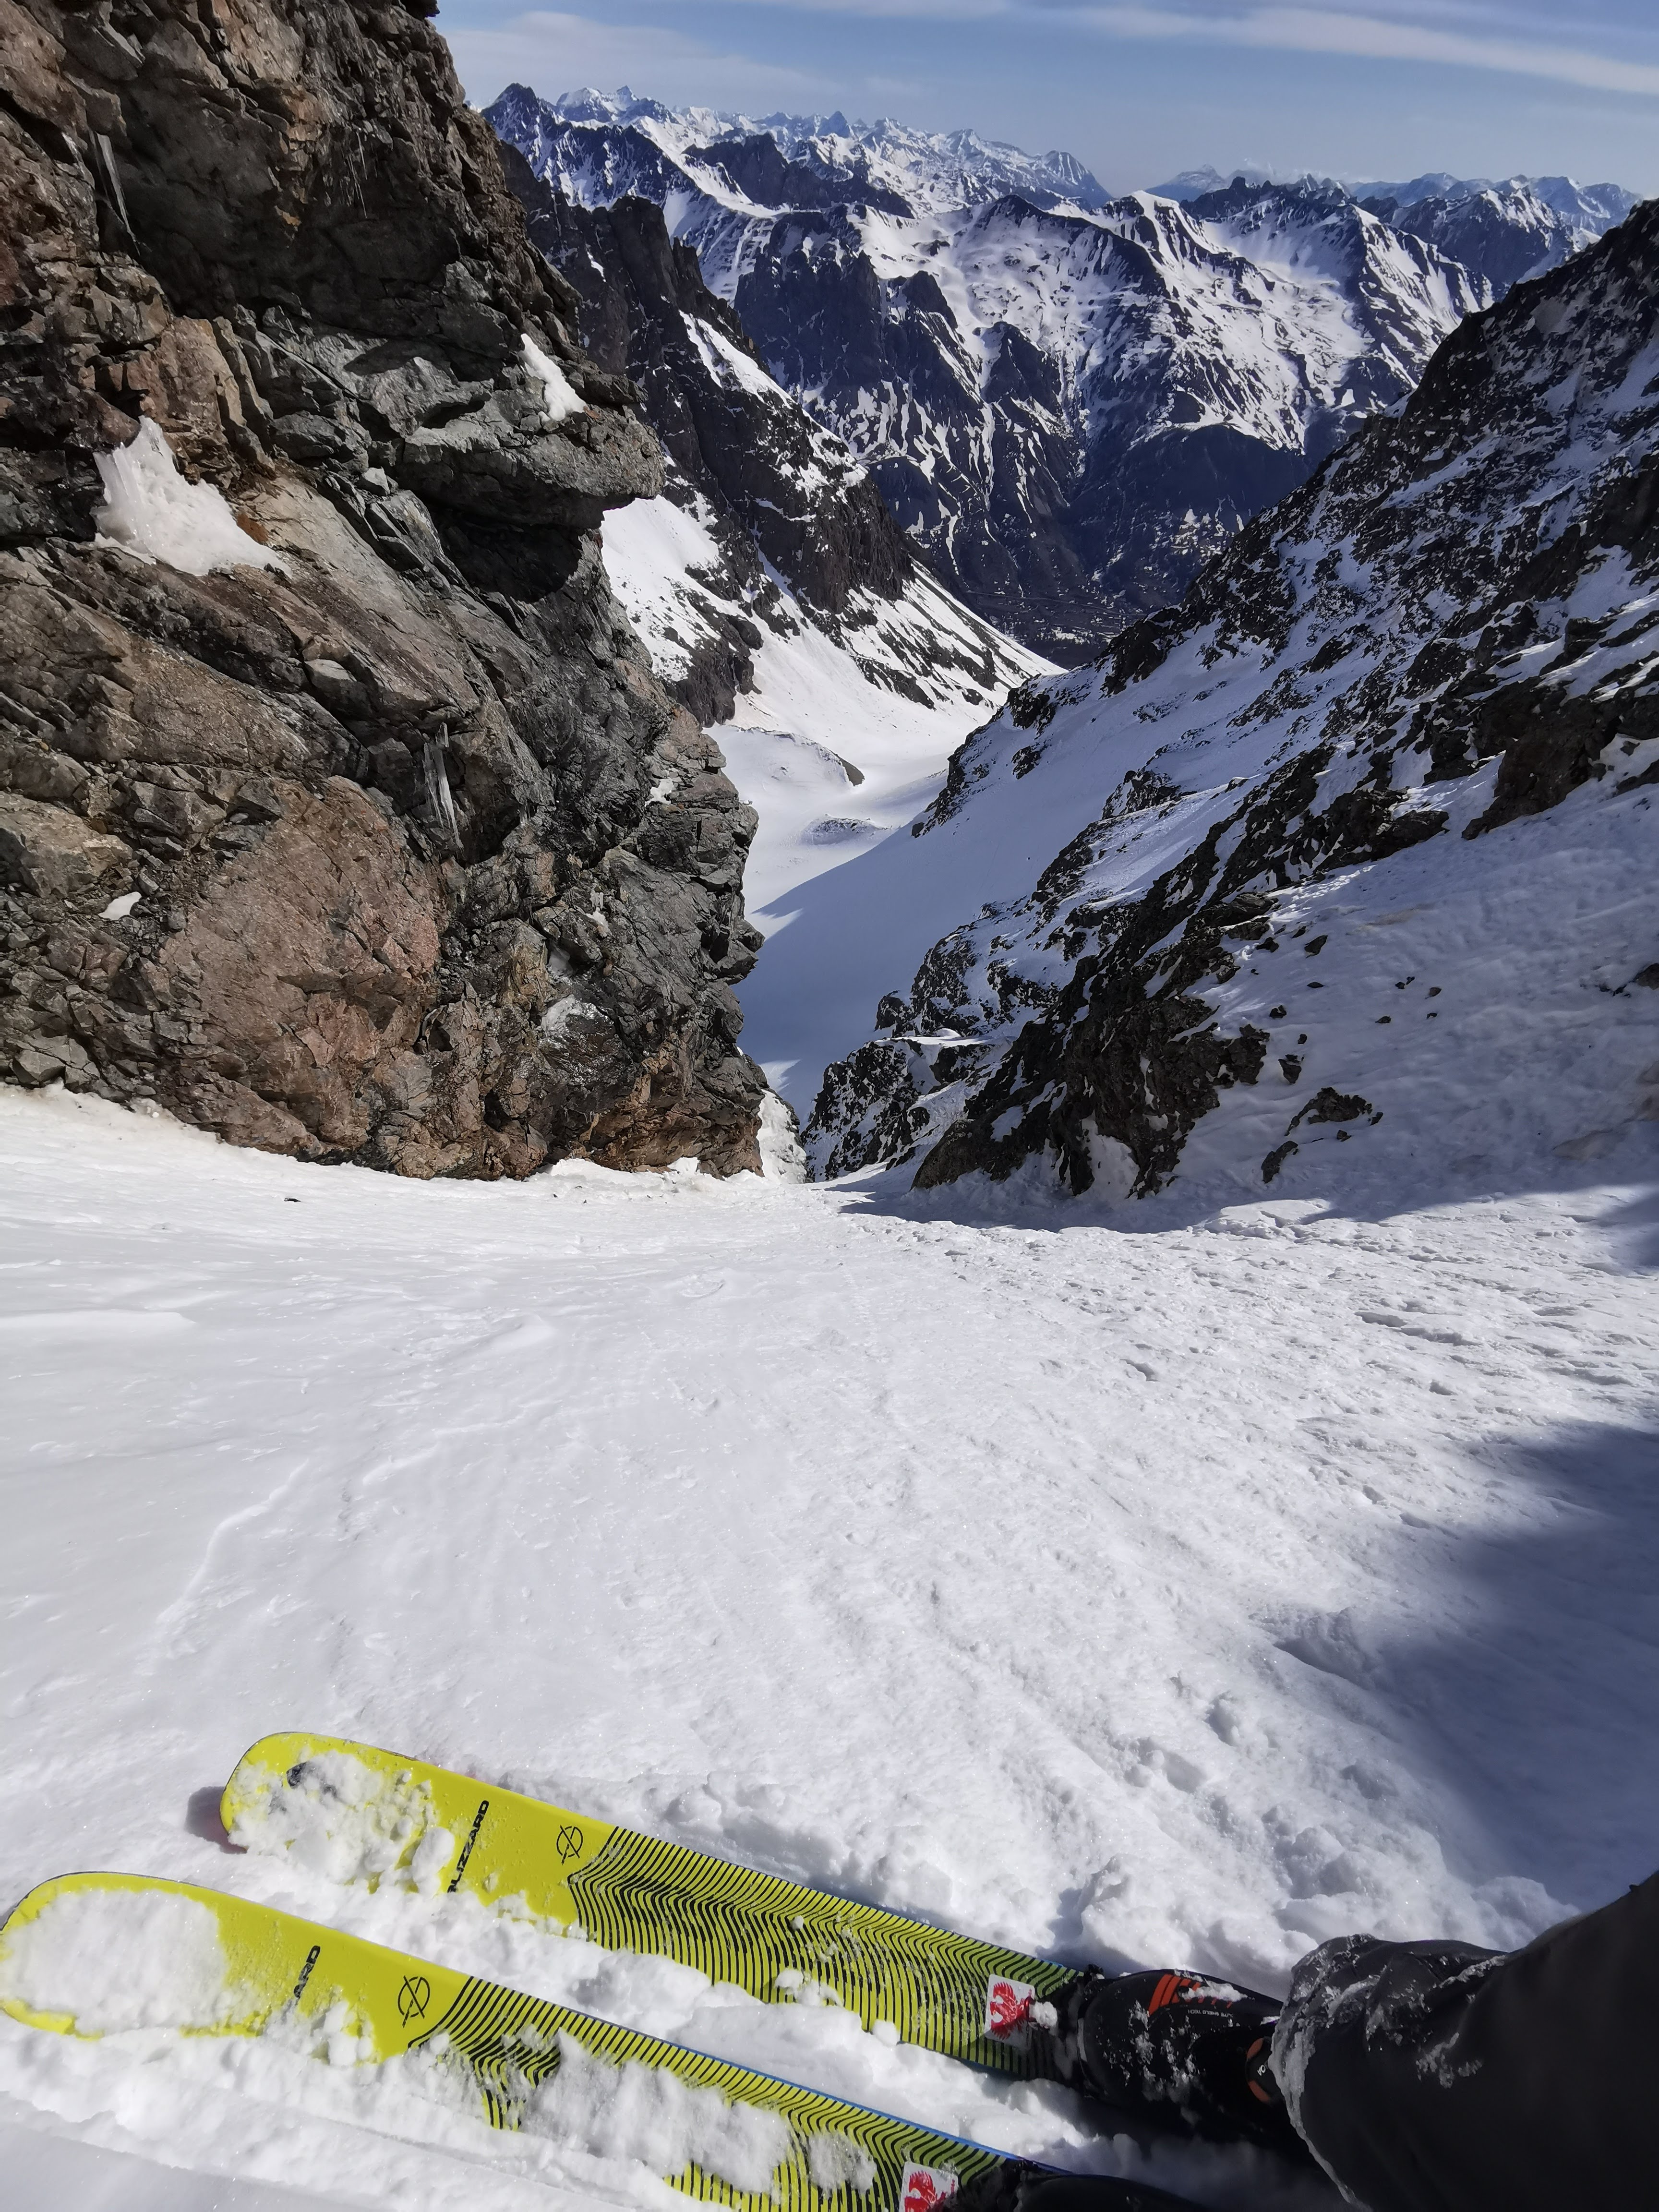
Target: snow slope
(1351,852)
(1193,1595)
(830,750)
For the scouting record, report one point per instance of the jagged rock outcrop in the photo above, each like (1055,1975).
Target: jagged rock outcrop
(1398,748)
(357,825)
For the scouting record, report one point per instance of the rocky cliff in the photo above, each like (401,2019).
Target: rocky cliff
(1353,847)
(340,811)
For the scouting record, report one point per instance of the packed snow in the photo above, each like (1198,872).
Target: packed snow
(342,1819)
(640,2114)
(111,1961)
(1145,1587)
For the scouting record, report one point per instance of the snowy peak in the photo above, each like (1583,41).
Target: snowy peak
(927,170)
(1501,232)
(1594,208)
(1067,401)
(1193,183)
(1504,232)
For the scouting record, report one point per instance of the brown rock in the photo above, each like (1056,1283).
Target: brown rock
(406,898)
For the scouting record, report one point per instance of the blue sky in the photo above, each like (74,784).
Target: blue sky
(1383,87)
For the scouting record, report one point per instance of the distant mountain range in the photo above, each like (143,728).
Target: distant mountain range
(1067,401)
(1594,208)
(1502,231)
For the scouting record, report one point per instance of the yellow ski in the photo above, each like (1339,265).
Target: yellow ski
(361,1813)
(213,1965)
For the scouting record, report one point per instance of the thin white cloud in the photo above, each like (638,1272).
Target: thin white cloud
(1297,30)
(1320,31)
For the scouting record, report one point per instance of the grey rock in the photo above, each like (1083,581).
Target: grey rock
(345,784)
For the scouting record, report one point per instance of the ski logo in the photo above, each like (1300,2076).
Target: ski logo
(1008,2009)
(925,2186)
(414,1997)
(466,1848)
(570,1841)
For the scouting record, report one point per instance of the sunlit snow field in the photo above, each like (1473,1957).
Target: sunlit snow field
(1131,1587)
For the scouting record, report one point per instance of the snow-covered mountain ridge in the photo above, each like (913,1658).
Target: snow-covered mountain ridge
(1594,208)
(776,596)
(929,171)
(1397,749)
(1502,231)
(1069,402)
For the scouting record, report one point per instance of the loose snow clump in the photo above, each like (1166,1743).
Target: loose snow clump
(562,399)
(159,514)
(114,1958)
(342,1819)
(640,2113)
(835,2161)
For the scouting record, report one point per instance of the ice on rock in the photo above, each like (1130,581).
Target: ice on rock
(111,1959)
(156,512)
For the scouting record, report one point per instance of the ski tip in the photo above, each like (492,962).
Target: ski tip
(277,1753)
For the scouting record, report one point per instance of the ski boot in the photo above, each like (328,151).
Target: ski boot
(1024,2188)
(1181,2050)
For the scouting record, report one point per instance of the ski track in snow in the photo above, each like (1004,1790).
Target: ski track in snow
(1182,1593)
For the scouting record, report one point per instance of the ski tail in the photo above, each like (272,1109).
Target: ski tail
(375,1815)
(89,1954)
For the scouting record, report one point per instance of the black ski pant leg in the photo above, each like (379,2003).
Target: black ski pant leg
(1436,2077)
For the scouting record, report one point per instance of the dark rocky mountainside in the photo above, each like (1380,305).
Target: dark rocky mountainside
(357,827)
(774,490)
(1068,405)
(1398,747)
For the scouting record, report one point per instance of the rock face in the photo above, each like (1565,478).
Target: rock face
(354,825)
(1068,402)
(1399,747)
(1501,234)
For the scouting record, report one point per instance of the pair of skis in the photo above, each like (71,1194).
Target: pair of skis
(752,2142)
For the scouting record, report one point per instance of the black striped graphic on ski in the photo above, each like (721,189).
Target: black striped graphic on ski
(487,2025)
(770,1936)
(738,1925)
